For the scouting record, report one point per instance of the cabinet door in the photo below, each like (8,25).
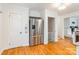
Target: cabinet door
(71,21)
(74,21)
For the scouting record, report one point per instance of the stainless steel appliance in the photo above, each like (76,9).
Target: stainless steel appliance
(36,31)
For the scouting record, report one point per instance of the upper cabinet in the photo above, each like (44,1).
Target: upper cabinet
(69,22)
(74,21)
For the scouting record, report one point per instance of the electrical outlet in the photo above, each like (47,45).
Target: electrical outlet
(25,27)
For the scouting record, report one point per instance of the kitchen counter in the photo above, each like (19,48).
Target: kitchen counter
(77,41)
(77,49)
(77,32)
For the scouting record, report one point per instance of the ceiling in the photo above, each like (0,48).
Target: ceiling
(41,6)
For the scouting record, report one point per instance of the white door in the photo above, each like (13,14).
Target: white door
(16,34)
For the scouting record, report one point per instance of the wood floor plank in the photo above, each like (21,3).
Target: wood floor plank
(62,47)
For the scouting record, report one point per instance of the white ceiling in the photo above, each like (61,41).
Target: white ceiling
(41,6)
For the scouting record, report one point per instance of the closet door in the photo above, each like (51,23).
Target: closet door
(14,29)
(17,36)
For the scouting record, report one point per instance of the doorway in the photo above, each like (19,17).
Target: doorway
(51,29)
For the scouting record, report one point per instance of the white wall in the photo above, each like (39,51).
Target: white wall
(51,13)
(76,13)
(13,13)
(0,31)
(45,14)
(11,37)
(61,27)
(45,27)
(34,13)
(1,26)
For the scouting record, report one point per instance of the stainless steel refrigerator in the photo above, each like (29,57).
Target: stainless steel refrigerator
(36,31)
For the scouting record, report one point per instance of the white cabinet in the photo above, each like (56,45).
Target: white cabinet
(73,21)
(70,21)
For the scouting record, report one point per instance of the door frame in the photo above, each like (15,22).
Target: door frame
(53,18)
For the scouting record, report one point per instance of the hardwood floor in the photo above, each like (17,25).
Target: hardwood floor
(62,47)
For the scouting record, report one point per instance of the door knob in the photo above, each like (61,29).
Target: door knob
(20,32)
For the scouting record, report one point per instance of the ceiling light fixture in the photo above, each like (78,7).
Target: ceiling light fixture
(61,6)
